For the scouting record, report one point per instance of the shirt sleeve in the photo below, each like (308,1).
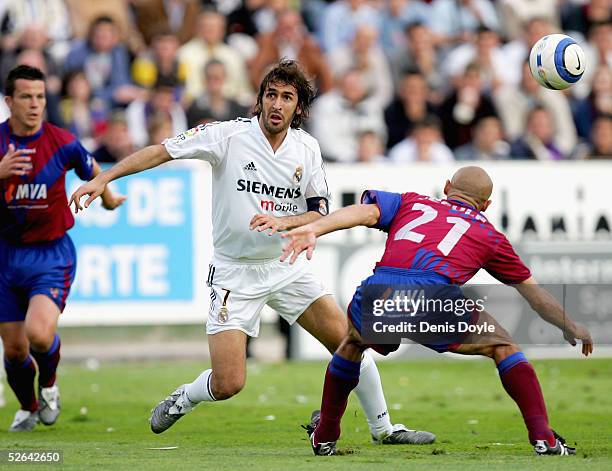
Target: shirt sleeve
(317,186)
(388,205)
(204,142)
(505,265)
(80,160)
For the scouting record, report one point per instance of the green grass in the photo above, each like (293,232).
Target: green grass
(478,426)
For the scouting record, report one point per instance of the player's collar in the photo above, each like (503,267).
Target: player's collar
(462,203)
(24,139)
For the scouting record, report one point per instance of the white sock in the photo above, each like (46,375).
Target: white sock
(201,389)
(372,398)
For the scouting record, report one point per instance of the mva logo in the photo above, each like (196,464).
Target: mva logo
(30,191)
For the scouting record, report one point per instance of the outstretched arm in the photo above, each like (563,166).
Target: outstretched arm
(549,309)
(305,238)
(110,200)
(146,158)
(262,222)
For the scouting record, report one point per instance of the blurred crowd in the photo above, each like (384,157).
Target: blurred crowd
(397,80)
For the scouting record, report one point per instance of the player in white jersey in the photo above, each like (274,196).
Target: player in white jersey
(267,177)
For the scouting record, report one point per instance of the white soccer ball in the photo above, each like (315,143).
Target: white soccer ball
(557,61)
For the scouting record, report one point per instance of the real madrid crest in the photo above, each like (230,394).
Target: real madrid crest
(224,311)
(297,176)
(223,314)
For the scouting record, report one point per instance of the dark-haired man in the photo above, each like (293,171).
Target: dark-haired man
(37,257)
(265,166)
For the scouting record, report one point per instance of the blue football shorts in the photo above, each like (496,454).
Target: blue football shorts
(432,286)
(46,268)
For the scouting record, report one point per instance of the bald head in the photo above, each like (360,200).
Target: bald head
(471,184)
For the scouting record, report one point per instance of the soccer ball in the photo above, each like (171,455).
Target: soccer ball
(557,61)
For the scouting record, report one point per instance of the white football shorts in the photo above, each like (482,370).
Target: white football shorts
(239,291)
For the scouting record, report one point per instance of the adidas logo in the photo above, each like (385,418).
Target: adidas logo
(250,166)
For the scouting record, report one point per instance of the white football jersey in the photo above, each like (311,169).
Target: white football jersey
(249,178)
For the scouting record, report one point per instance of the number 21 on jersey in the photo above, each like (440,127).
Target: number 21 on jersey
(446,245)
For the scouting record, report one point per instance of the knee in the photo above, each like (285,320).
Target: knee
(224,388)
(40,342)
(40,335)
(16,352)
(351,348)
(501,352)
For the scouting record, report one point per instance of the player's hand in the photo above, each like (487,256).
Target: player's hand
(581,333)
(262,222)
(301,239)
(93,188)
(112,200)
(16,162)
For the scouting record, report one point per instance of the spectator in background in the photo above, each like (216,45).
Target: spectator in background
(363,54)
(33,38)
(599,101)
(208,44)
(458,20)
(516,13)
(538,140)
(175,16)
(105,61)
(487,52)
(420,54)
(516,52)
(49,15)
(466,105)
(341,115)
(340,20)
(160,128)
(241,19)
(84,12)
(83,116)
(423,145)
(514,104)
(291,40)
(598,53)
(266,17)
(410,106)
(115,142)
(397,15)
(580,17)
(601,138)
(212,105)
(160,62)
(161,101)
(370,147)
(488,142)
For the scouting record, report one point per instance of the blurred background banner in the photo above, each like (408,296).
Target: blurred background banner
(142,263)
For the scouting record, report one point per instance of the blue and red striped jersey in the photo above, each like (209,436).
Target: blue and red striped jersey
(448,237)
(34,207)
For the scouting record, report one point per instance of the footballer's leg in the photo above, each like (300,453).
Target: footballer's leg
(20,373)
(520,382)
(341,377)
(224,379)
(40,326)
(327,323)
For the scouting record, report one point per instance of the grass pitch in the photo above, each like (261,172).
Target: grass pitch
(104,419)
